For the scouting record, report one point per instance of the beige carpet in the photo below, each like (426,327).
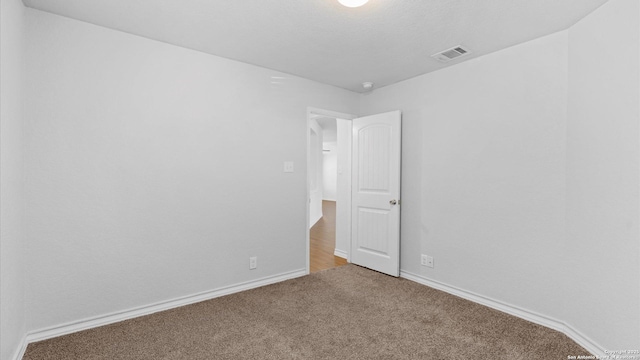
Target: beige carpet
(343,313)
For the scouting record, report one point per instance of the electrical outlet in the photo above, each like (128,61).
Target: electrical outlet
(253,262)
(426,260)
(288,166)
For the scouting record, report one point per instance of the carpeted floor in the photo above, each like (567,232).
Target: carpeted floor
(342,313)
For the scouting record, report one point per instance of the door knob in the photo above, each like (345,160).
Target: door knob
(393,202)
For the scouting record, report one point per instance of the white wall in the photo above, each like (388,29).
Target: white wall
(521,175)
(483,172)
(12,281)
(603,176)
(343,187)
(145,162)
(329,170)
(315,172)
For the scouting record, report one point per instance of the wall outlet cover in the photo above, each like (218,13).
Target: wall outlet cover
(426,260)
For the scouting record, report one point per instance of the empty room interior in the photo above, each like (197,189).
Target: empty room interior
(156,159)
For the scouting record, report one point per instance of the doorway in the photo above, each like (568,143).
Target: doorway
(329,181)
(323,172)
(367,211)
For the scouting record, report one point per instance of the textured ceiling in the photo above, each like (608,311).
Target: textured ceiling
(385,41)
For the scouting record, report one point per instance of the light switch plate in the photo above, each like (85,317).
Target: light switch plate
(288,166)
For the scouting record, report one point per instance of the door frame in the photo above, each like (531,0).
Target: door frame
(311,112)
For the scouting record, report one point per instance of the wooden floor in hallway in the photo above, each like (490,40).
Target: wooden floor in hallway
(323,240)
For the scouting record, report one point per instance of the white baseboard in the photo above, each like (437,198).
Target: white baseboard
(528,315)
(102,320)
(341,253)
(21,349)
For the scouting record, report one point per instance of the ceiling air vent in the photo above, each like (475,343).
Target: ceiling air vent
(450,54)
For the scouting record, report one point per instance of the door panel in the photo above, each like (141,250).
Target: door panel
(375,240)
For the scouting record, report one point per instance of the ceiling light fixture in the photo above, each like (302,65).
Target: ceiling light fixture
(353,3)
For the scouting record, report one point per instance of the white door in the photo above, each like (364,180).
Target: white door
(375,222)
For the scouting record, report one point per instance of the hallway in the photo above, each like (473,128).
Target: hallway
(323,240)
